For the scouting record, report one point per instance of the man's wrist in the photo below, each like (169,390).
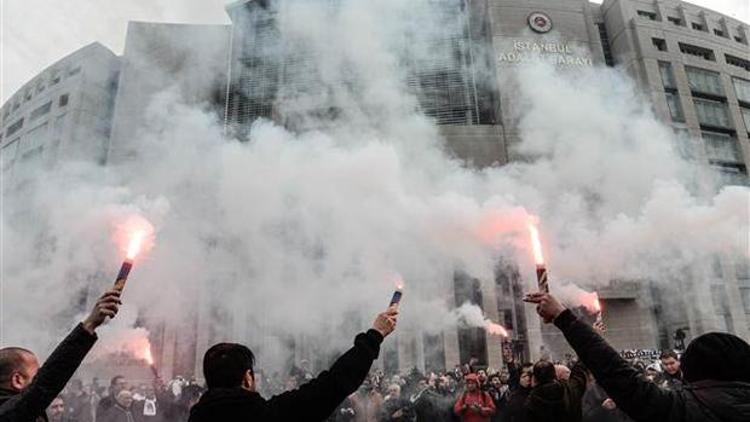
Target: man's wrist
(88,326)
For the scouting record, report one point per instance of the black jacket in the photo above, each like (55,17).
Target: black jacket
(704,401)
(515,411)
(313,401)
(558,400)
(31,403)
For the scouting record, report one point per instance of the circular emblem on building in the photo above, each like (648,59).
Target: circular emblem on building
(540,22)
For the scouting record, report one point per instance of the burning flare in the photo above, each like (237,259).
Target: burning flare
(135,244)
(536,243)
(147,356)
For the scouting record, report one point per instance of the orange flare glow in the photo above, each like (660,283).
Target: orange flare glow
(496,329)
(536,244)
(147,356)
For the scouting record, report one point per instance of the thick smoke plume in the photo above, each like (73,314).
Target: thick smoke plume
(295,235)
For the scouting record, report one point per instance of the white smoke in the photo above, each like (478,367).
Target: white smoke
(296,234)
(469,315)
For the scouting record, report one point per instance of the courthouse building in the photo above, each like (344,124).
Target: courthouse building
(692,62)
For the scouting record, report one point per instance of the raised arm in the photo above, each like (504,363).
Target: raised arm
(61,364)
(640,399)
(317,399)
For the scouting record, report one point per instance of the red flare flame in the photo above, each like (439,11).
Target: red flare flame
(147,356)
(496,329)
(536,243)
(135,236)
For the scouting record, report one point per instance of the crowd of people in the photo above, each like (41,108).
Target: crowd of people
(709,382)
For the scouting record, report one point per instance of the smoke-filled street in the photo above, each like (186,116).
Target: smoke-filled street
(425,210)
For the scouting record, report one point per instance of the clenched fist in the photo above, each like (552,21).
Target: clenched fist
(106,306)
(385,322)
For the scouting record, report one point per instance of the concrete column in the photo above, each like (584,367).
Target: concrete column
(489,305)
(734,299)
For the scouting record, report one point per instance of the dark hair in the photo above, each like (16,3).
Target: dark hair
(544,372)
(668,354)
(12,360)
(718,357)
(225,364)
(116,378)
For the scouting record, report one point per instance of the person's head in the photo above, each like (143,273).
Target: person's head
(472,383)
(394,391)
(18,367)
(421,384)
(718,357)
(670,362)
(117,384)
(56,409)
(495,381)
(526,375)
(124,398)
(229,365)
(543,373)
(562,372)
(149,392)
(75,386)
(482,375)
(504,377)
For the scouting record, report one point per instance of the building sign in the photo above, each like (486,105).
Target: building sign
(555,52)
(540,22)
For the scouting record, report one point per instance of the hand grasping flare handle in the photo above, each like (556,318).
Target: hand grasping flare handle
(106,306)
(385,322)
(547,306)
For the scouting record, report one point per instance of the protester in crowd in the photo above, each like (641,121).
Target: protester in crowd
(395,408)
(122,410)
(715,367)
(26,390)
(116,384)
(672,375)
(56,410)
(552,399)
(151,408)
(653,373)
(366,402)
(499,393)
(180,410)
(228,369)
(474,405)
(562,372)
(77,403)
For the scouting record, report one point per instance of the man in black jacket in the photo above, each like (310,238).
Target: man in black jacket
(230,378)
(715,366)
(26,390)
(552,399)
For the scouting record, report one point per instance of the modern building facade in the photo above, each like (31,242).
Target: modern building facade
(63,113)
(691,62)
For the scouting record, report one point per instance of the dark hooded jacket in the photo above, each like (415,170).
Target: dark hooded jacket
(558,400)
(31,404)
(716,368)
(313,401)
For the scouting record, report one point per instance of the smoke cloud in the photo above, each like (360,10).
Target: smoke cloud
(296,234)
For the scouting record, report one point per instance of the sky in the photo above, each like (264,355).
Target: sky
(36,33)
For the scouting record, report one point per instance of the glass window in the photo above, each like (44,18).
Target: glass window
(736,61)
(63,100)
(721,147)
(698,26)
(704,81)
(15,127)
(659,43)
(742,89)
(675,108)
(41,111)
(667,75)
(712,113)
(694,50)
(745,293)
(676,21)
